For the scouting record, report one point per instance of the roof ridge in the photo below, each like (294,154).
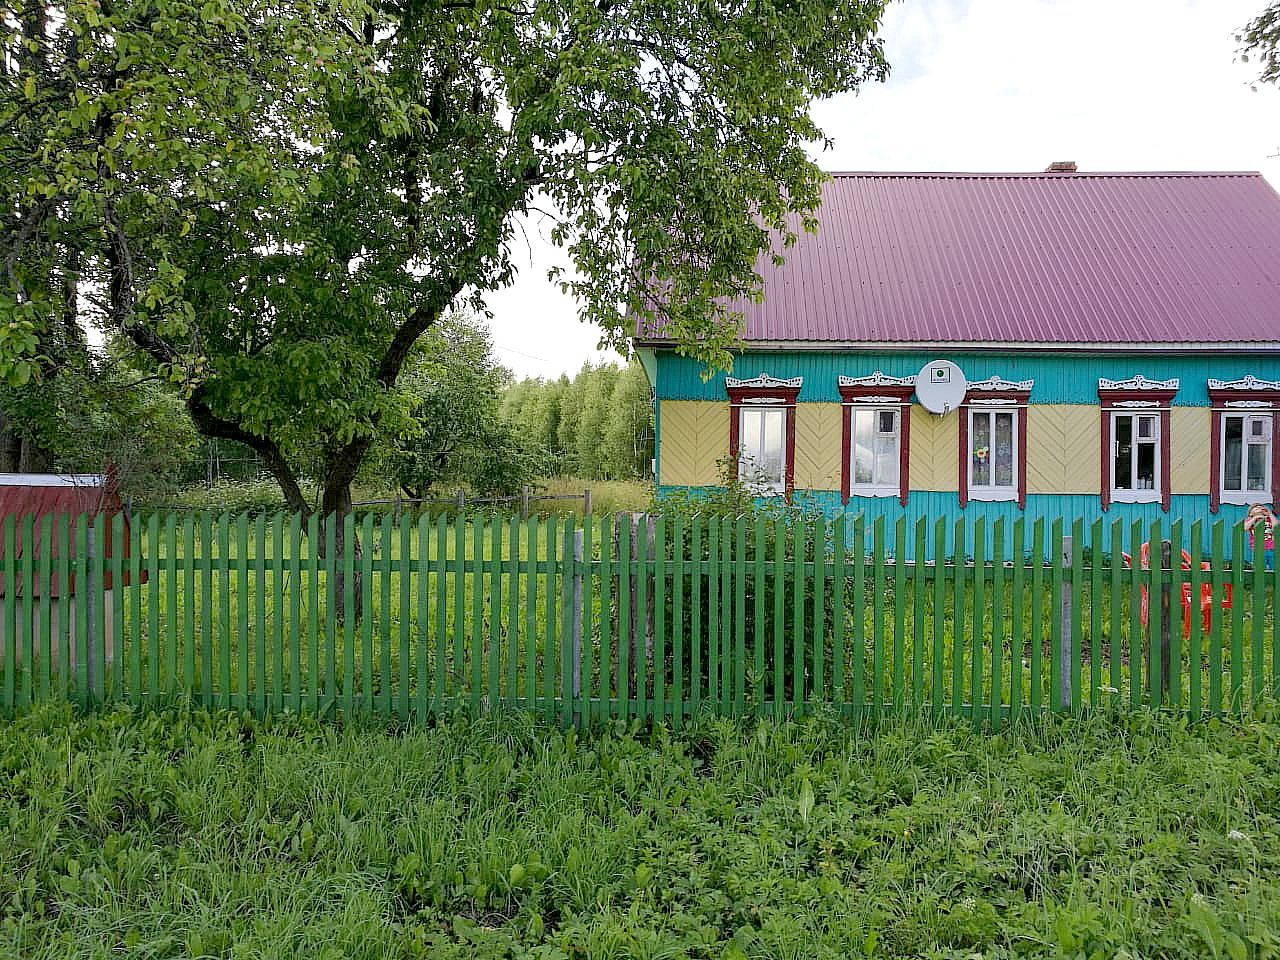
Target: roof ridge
(1038,175)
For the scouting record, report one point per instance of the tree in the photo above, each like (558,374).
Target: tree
(451,387)
(273,200)
(1259,41)
(628,429)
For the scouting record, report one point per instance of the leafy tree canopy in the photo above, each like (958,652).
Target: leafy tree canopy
(273,200)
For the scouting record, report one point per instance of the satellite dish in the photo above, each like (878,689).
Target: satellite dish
(941,386)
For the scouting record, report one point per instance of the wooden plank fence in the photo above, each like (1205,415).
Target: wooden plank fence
(661,618)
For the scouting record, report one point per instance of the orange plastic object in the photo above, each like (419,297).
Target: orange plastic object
(1206,591)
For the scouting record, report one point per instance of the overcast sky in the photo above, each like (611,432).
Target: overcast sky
(996,85)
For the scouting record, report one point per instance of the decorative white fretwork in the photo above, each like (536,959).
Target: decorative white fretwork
(877,379)
(1248,404)
(1137,403)
(764,381)
(1247,382)
(995,402)
(1137,383)
(879,400)
(999,383)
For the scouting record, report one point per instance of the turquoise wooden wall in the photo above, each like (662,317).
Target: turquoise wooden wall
(1059,377)
(930,505)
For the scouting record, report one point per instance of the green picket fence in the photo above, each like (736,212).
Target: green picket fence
(664,619)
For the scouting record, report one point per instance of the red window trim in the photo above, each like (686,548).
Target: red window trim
(852,396)
(755,397)
(1019,397)
(1112,401)
(1217,399)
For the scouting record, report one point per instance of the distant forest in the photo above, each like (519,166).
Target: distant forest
(598,426)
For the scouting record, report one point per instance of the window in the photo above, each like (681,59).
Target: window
(993,455)
(1135,457)
(875,452)
(877,435)
(762,428)
(1246,458)
(1135,440)
(1243,455)
(762,462)
(993,441)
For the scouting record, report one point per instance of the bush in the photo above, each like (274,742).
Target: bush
(253,497)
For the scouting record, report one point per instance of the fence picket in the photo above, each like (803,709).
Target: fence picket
(840,576)
(958,635)
(1077,607)
(779,618)
(917,620)
(1095,613)
(877,617)
(607,687)
(739,619)
(860,614)
(44,688)
(1215,621)
(24,663)
(11,616)
(938,696)
(660,619)
(979,619)
(798,659)
(1237,620)
(759,638)
(1195,655)
(1016,642)
(899,612)
(677,622)
(1257,661)
(996,694)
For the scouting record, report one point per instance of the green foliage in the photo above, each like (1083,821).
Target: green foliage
(274,200)
(88,416)
(597,426)
(453,433)
(1260,42)
(183,833)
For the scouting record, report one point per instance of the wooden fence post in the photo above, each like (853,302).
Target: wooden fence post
(524,502)
(576,636)
(640,619)
(1166,637)
(90,619)
(1063,653)
(462,500)
(586,502)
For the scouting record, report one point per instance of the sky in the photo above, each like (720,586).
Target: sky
(993,85)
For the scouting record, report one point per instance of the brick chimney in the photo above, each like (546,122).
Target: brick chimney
(1061,166)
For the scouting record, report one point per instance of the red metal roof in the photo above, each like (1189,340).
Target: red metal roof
(61,498)
(1077,258)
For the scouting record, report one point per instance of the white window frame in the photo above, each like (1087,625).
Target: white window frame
(1122,495)
(875,488)
(1244,497)
(778,487)
(992,491)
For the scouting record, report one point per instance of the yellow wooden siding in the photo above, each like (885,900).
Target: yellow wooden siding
(819,437)
(1064,444)
(695,438)
(1189,449)
(935,451)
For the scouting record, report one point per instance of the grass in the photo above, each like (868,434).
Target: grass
(190,834)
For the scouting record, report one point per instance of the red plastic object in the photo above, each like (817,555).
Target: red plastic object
(1206,591)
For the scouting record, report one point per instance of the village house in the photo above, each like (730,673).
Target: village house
(1096,345)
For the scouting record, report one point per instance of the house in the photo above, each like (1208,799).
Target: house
(1098,345)
(53,502)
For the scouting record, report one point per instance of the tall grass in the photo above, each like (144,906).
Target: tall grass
(191,834)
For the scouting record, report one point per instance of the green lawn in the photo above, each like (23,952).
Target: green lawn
(188,834)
